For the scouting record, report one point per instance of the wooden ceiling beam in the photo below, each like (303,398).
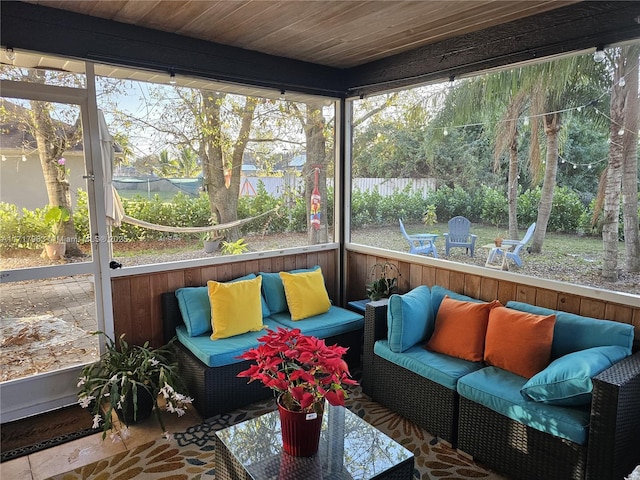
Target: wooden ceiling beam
(572,28)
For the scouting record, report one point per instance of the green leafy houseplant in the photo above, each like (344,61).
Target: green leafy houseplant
(124,377)
(384,281)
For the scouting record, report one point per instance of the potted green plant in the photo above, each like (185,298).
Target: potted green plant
(210,241)
(384,281)
(54,218)
(129,380)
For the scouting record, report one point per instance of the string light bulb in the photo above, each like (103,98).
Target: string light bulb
(526,121)
(24,157)
(11,55)
(445,132)
(621,132)
(598,55)
(172,78)
(622,82)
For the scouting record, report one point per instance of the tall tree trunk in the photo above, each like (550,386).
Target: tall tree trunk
(551,129)
(613,179)
(316,158)
(630,166)
(223,198)
(512,192)
(51,147)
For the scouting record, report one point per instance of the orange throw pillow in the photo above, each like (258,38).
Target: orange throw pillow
(519,342)
(461,328)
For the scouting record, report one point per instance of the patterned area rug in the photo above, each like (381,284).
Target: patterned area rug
(190,454)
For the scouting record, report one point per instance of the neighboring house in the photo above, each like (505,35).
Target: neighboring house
(297,162)
(21,177)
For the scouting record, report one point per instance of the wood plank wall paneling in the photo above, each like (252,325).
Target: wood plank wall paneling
(486,288)
(136,298)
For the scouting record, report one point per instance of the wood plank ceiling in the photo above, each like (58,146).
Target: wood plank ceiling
(340,34)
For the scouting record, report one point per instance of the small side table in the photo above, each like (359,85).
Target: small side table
(493,251)
(359,305)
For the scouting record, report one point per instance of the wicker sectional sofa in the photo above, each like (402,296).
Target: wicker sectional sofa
(483,411)
(210,368)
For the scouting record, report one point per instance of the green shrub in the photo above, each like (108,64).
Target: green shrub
(451,202)
(81,217)
(495,207)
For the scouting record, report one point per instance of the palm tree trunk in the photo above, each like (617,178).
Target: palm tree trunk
(512,193)
(551,129)
(613,179)
(630,167)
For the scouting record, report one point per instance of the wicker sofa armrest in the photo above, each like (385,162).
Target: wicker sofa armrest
(375,328)
(615,421)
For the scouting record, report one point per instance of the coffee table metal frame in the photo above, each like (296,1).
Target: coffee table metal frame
(349,448)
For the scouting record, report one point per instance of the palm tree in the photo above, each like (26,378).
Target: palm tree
(542,93)
(622,159)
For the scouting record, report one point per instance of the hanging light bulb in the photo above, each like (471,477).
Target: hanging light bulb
(589,166)
(445,132)
(579,108)
(622,82)
(283,95)
(172,78)
(11,55)
(526,121)
(598,55)
(452,80)
(575,166)
(621,132)
(4,158)
(24,157)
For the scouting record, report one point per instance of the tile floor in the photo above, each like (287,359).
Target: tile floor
(70,455)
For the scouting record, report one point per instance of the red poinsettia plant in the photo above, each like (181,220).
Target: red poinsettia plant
(302,368)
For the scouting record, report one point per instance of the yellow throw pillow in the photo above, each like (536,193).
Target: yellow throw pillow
(235,307)
(306,294)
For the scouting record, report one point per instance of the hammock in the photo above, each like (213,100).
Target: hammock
(210,228)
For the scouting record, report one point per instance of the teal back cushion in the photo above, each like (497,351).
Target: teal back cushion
(410,319)
(438,293)
(574,332)
(567,380)
(273,289)
(195,307)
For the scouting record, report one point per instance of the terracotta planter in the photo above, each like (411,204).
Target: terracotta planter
(300,431)
(55,251)
(498,242)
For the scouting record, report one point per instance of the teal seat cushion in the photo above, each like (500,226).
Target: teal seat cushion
(574,332)
(195,307)
(273,289)
(334,322)
(499,391)
(221,352)
(437,367)
(567,380)
(410,319)
(438,293)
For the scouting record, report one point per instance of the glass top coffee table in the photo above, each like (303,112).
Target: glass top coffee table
(350,449)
